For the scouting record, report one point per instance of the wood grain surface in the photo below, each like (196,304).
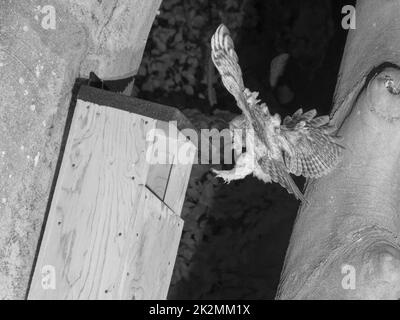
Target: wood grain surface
(107,235)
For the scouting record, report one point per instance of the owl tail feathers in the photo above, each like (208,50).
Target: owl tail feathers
(280,175)
(291,187)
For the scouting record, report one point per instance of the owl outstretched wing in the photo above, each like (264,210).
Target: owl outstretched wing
(309,146)
(279,174)
(307,143)
(226,61)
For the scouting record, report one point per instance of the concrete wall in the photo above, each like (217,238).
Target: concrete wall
(44,47)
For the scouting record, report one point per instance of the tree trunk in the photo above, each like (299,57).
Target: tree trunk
(44,47)
(345,243)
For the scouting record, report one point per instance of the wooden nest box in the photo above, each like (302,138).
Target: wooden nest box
(114,224)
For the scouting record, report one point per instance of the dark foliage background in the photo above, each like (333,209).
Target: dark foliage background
(235,236)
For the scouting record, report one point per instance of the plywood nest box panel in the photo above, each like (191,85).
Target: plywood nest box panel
(114,224)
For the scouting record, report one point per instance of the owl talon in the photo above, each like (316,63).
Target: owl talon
(223,174)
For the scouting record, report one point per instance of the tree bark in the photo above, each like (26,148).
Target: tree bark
(39,63)
(345,243)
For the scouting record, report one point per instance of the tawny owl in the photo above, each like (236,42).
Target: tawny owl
(302,145)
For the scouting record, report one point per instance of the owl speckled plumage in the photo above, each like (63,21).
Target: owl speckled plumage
(302,145)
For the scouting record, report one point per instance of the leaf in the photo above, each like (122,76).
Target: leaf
(142,70)
(148,86)
(189,76)
(231,4)
(198,21)
(277,68)
(177,78)
(178,36)
(188,89)
(168,4)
